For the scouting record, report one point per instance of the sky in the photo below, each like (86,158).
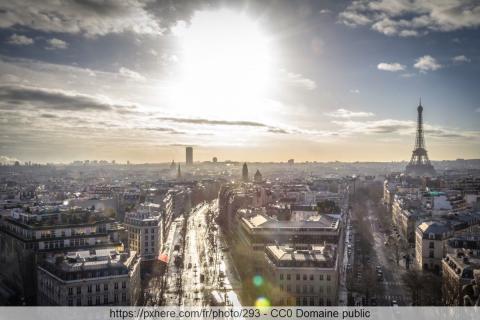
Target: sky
(140,80)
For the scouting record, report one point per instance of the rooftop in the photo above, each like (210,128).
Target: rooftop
(319,256)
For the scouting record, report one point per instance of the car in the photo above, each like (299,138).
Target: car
(394,303)
(378,267)
(189,265)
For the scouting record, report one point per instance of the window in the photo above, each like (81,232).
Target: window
(115,285)
(97,288)
(311,289)
(79,301)
(430,254)
(89,288)
(305,301)
(329,303)
(311,277)
(328,277)
(105,299)
(89,301)
(281,276)
(298,276)
(97,300)
(115,298)
(281,287)
(288,276)
(124,284)
(105,287)
(70,292)
(297,289)
(79,290)
(70,302)
(321,277)
(304,288)
(304,277)
(431,245)
(320,302)
(289,288)
(124,297)
(328,289)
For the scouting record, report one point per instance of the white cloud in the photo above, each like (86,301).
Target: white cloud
(392,67)
(131,74)
(427,63)
(55,43)
(90,18)
(298,80)
(407,18)
(20,40)
(354,91)
(344,113)
(461,59)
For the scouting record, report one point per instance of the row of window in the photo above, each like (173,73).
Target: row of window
(305,289)
(305,301)
(98,301)
(305,277)
(98,286)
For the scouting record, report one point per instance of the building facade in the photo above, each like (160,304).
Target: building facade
(305,275)
(144,234)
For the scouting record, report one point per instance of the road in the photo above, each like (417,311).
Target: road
(345,259)
(208,266)
(393,287)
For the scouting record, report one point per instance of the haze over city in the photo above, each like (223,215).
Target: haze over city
(268,81)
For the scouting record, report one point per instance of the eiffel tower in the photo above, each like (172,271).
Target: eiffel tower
(419,163)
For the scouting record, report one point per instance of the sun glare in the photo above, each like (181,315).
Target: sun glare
(225,64)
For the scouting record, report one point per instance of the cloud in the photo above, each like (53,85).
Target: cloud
(164,130)
(406,18)
(210,122)
(392,67)
(12,97)
(378,126)
(278,130)
(356,91)
(20,40)
(298,80)
(344,113)
(90,18)
(55,43)
(131,74)
(7,160)
(461,59)
(213,122)
(427,63)
(401,128)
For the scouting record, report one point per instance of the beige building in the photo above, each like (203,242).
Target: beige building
(430,239)
(143,230)
(89,278)
(304,275)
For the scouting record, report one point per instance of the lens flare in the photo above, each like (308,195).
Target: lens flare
(257,281)
(262,302)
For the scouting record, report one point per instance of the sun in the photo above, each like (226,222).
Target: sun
(225,65)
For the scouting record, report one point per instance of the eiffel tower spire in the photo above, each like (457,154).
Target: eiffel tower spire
(419,163)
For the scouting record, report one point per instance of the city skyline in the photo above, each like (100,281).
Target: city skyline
(140,81)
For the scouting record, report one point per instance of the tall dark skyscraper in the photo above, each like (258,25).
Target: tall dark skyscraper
(189,156)
(245,172)
(419,163)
